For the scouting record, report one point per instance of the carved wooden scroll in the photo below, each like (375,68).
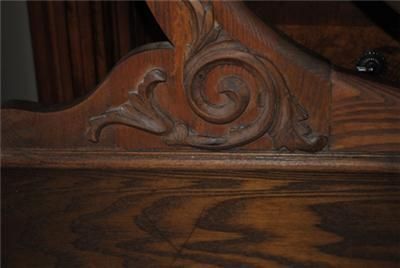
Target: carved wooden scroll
(229,81)
(278,113)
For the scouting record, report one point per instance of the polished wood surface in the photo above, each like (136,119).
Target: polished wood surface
(364,115)
(164,218)
(228,147)
(238,83)
(122,160)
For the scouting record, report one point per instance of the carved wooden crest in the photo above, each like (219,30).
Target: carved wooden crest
(278,113)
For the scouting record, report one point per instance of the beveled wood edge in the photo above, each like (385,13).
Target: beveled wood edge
(238,161)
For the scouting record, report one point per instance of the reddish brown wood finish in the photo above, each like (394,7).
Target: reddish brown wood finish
(159,218)
(231,45)
(365,115)
(152,192)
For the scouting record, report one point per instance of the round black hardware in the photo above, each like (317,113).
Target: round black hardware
(371,62)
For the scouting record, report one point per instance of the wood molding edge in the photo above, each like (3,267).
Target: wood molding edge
(323,162)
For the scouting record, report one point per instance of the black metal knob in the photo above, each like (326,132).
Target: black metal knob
(371,62)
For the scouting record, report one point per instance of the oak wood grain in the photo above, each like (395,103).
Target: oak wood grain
(365,115)
(299,108)
(161,218)
(132,200)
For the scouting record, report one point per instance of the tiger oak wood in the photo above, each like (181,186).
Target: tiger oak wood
(164,218)
(228,147)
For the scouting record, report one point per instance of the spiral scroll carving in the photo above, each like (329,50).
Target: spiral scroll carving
(278,113)
(236,89)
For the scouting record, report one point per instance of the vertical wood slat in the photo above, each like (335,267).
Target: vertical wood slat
(51,51)
(100,49)
(82,46)
(123,27)
(76,43)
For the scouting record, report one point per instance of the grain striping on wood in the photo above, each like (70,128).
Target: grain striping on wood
(365,115)
(161,218)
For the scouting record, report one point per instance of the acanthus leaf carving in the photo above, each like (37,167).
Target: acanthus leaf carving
(140,111)
(278,112)
(293,133)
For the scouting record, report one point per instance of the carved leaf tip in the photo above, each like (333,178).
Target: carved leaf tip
(139,111)
(92,132)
